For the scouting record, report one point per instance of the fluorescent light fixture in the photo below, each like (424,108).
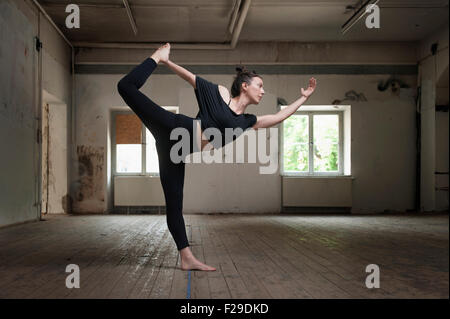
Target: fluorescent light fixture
(357,16)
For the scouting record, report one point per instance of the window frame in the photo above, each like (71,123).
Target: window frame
(174,109)
(311,172)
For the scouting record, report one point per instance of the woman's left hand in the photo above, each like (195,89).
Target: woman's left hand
(310,89)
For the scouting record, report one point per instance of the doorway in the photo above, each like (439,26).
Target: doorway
(54,173)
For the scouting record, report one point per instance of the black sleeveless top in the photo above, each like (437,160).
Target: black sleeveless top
(214,112)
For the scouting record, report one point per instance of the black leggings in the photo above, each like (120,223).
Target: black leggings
(160,122)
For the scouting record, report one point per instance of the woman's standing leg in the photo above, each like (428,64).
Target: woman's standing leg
(172,181)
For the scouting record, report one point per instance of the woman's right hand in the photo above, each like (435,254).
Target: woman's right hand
(310,90)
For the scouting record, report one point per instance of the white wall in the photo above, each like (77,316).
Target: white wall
(375,178)
(317,192)
(383,138)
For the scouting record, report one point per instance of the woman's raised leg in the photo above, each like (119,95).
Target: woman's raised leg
(154,117)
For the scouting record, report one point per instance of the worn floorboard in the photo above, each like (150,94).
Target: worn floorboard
(256,256)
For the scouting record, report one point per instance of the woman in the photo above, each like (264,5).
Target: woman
(214,112)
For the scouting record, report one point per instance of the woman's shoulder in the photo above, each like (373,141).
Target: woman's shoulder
(224,93)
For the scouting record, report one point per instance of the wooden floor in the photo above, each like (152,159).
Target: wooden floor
(257,256)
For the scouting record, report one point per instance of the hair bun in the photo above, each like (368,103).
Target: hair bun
(241,69)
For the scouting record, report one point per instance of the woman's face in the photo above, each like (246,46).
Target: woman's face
(255,90)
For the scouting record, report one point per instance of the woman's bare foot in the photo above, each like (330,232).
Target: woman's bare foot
(195,264)
(162,54)
(189,262)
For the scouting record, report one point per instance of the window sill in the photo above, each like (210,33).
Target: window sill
(319,176)
(135,175)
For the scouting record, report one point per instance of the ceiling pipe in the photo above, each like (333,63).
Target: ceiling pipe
(356,16)
(177,46)
(130,16)
(240,23)
(237,4)
(130,45)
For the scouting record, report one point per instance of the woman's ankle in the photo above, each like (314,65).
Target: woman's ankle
(155,58)
(186,253)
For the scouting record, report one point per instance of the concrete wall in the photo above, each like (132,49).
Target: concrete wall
(382,129)
(18,188)
(433,78)
(19,87)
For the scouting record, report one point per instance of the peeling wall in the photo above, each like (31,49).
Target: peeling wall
(19,25)
(89,189)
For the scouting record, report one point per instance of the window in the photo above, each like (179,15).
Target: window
(312,143)
(134,151)
(129,143)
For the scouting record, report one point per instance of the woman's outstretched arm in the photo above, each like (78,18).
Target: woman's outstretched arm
(182,72)
(269,120)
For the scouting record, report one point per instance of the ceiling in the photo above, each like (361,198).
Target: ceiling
(207,21)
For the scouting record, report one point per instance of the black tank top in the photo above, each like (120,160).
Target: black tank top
(214,112)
